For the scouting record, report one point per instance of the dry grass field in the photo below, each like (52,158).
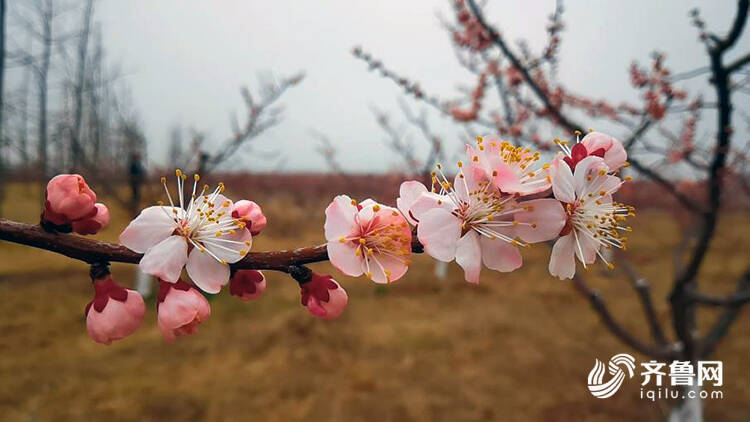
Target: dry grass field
(517,347)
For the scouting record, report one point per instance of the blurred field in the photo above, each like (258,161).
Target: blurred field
(517,347)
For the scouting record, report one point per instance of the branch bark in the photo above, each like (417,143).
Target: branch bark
(598,304)
(93,251)
(642,287)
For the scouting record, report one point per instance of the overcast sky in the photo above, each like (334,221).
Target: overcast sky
(185,61)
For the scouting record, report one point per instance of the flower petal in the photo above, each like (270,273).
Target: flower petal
(500,255)
(616,156)
(409,192)
(588,247)
(562,262)
(614,152)
(563,186)
(428,201)
(469,256)
(206,272)
(584,168)
(343,257)
(506,179)
(395,265)
(339,218)
(166,259)
(231,247)
(152,225)
(438,231)
(548,216)
(369,202)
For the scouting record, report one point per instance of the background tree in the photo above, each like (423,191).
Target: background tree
(531,103)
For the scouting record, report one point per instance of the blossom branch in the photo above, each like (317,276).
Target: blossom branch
(543,97)
(92,251)
(564,121)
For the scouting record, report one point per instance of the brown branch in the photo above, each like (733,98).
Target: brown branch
(642,287)
(594,297)
(737,26)
(564,121)
(733,300)
(737,64)
(666,184)
(543,97)
(93,251)
(726,319)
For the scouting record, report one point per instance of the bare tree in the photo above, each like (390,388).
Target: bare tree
(529,97)
(262,114)
(3,141)
(78,87)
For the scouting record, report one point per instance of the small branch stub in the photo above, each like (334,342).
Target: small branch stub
(300,273)
(99,270)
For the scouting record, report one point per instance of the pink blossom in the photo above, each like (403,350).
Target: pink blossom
(114,313)
(323,297)
(474,223)
(594,144)
(92,225)
(247,284)
(510,169)
(200,236)
(593,219)
(250,213)
(367,238)
(68,199)
(614,153)
(181,309)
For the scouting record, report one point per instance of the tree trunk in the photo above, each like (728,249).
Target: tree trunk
(75,131)
(43,75)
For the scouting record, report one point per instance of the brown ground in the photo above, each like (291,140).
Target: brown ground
(517,347)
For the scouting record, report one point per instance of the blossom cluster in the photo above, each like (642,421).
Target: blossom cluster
(492,208)
(499,200)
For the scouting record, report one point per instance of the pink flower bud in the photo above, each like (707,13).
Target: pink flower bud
(114,313)
(251,214)
(69,198)
(181,309)
(92,225)
(324,297)
(247,284)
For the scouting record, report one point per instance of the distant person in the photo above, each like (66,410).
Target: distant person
(203,158)
(137,174)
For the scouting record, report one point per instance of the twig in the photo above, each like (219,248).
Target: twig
(594,297)
(725,320)
(733,300)
(737,64)
(642,287)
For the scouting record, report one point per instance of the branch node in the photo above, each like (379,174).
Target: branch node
(99,270)
(300,273)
